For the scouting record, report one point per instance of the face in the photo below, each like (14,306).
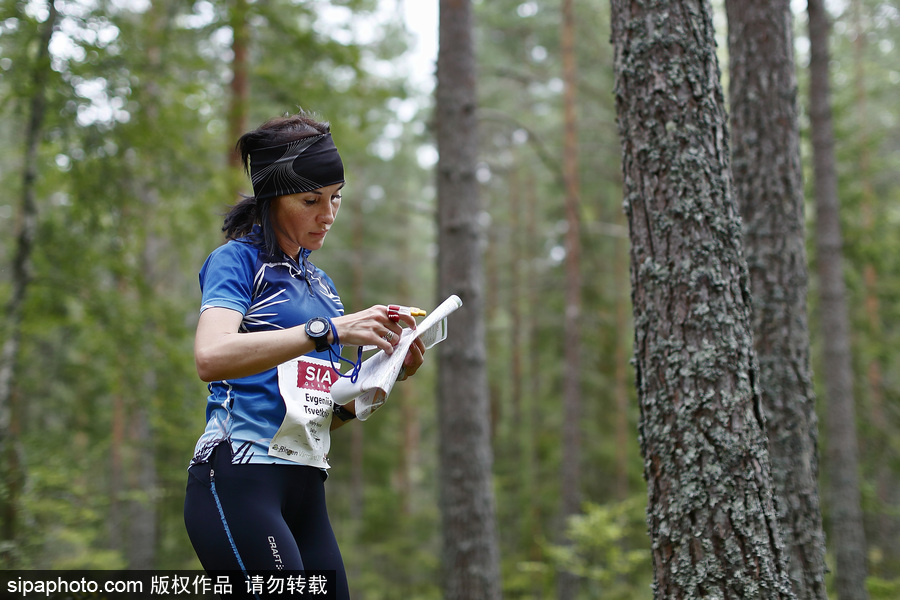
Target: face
(303,220)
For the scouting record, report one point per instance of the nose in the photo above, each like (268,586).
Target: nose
(328,213)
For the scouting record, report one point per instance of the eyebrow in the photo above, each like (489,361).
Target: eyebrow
(318,193)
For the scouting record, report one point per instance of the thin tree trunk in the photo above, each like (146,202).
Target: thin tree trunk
(142,529)
(471,559)
(517,324)
(138,490)
(570,470)
(492,300)
(408,401)
(531,403)
(239,100)
(12,470)
(517,445)
(769,188)
(886,524)
(357,433)
(712,521)
(843,462)
(116,521)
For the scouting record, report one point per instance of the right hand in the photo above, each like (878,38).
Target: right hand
(371,327)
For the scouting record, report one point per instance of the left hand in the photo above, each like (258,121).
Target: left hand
(414,359)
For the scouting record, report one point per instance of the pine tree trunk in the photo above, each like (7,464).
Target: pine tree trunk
(409,458)
(567,583)
(843,463)
(357,434)
(517,323)
(711,516)
(531,402)
(769,188)
(885,526)
(470,548)
(142,528)
(12,469)
(140,492)
(239,99)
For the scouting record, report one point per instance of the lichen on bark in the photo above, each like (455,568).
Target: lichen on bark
(711,515)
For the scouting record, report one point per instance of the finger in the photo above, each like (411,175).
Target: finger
(396,330)
(385,345)
(395,316)
(419,347)
(393,313)
(414,358)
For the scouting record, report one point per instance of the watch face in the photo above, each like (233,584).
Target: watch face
(317,327)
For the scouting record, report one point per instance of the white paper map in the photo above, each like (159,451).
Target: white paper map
(379,372)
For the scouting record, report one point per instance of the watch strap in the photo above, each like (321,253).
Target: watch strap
(320,339)
(342,413)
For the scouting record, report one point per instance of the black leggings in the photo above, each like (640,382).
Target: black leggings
(253,518)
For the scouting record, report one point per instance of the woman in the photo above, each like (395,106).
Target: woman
(269,332)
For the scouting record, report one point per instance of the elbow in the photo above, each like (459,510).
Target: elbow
(206,367)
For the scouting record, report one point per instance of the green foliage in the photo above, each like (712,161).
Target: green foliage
(605,545)
(882,589)
(599,544)
(133,181)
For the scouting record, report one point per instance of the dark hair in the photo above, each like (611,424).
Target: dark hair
(239,221)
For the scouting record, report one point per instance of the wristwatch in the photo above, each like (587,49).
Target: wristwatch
(317,329)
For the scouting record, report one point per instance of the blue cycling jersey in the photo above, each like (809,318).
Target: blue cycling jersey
(291,400)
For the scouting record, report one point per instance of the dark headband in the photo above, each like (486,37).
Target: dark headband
(296,167)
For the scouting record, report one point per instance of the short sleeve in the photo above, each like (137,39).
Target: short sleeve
(226,279)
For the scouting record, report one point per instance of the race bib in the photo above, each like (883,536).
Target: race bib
(304,436)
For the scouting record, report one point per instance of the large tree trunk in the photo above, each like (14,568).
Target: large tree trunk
(843,462)
(12,470)
(470,550)
(711,515)
(769,187)
(567,586)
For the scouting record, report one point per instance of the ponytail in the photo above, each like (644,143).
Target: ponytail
(239,221)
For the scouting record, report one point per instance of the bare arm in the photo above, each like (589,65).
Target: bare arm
(220,352)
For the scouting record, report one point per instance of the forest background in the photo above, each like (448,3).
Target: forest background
(133,169)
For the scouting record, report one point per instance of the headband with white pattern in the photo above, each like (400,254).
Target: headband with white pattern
(299,166)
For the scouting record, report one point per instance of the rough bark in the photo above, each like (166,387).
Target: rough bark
(843,454)
(769,187)
(470,548)
(711,515)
